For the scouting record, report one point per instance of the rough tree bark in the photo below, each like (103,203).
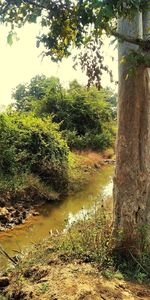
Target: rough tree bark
(146,20)
(132,174)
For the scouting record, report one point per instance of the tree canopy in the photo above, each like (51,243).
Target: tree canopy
(27,95)
(86,116)
(66,24)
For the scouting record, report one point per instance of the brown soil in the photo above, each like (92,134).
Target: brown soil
(95,159)
(72,281)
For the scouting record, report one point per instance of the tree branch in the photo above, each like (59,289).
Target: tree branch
(145,45)
(30,2)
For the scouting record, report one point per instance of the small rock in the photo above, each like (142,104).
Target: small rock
(109,161)
(35,213)
(11,220)
(3,219)
(53,262)
(18,221)
(17,294)
(10,209)
(122,286)
(143,293)
(97,166)
(29,272)
(2,202)
(4,282)
(16,213)
(24,214)
(53,297)
(2,229)
(9,226)
(3,211)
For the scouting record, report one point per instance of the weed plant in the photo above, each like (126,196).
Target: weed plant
(88,239)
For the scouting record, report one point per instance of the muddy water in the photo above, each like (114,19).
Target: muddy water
(58,215)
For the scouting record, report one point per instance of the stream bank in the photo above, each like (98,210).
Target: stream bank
(63,266)
(17,206)
(57,215)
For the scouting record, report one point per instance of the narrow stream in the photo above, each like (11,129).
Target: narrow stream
(54,215)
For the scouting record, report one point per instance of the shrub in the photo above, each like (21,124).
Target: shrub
(32,144)
(89,140)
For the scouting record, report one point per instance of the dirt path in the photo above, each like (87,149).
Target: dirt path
(72,281)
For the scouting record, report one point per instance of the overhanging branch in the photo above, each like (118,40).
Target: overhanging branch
(144,45)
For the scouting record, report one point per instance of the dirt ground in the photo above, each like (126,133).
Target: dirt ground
(72,281)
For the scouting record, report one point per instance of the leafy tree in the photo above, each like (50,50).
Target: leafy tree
(27,96)
(77,23)
(85,116)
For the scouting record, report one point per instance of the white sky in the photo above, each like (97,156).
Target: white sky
(21,61)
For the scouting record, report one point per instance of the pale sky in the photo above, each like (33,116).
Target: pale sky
(21,61)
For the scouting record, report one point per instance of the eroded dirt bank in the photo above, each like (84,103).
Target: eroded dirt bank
(76,280)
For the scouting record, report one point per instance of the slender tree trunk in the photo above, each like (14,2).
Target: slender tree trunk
(132,174)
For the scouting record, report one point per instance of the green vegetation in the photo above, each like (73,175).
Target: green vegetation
(86,117)
(82,24)
(32,145)
(88,239)
(38,131)
(27,141)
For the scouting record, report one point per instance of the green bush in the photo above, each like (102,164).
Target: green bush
(32,144)
(86,116)
(89,140)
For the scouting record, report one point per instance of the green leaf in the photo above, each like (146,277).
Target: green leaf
(10,38)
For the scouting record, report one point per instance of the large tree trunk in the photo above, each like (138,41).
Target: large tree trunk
(146,20)
(132,174)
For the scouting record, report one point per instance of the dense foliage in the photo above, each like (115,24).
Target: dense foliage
(86,117)
(67,24)
(31,144)
(45,119)
(28,95)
